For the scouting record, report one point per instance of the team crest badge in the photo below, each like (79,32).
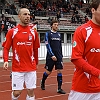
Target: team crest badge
(30,37)
(74,44)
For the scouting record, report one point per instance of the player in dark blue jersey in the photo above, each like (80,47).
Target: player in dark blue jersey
(54,55)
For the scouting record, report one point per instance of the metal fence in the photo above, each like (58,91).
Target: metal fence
(66,50)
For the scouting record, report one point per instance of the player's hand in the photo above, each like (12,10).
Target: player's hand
(5,66)
(54,58)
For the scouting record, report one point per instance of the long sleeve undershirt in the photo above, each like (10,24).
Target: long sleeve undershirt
(5,54)
(82,64)
(36,55)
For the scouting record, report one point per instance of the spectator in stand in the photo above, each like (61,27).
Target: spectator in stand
(78,18)
(49,20)
(0,25)
(76,12)
(86,19)
(32,17)
(87,10)
(13,9)
(7,8)
(1,8)
(73,19)
(7,24)
(58,16)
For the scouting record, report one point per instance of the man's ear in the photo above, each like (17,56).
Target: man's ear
(92,10)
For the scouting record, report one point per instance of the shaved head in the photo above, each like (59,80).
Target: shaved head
(22,10)
(24,16)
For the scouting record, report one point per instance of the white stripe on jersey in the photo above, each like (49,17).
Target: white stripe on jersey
(32,31)
(14,32)
(89,31)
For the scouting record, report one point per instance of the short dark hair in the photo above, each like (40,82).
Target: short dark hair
(53,21)
(95,4)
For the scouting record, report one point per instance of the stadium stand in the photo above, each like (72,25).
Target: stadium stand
(44,12)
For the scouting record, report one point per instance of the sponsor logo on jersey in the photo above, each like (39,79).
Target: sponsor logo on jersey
(95,50)
(56,39)
(24,43)
(74,44)
(24,32)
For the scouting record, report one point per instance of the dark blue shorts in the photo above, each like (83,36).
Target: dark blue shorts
(50,64)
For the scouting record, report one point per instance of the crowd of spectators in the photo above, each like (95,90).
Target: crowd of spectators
(57,8)
(8,8)
(49,6)
(6,23)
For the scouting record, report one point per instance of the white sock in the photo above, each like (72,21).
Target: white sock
(30,98)
(13,97)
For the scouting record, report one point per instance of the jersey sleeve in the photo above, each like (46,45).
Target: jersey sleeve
(78,57)
(7,44)
(8,39)
(47,42)
(36,41)
(36,45)
(78,44)
(86,67)
(36,55)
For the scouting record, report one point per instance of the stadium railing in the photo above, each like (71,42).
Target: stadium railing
(66,50)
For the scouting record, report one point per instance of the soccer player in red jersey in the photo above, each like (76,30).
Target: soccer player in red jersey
(86,58)
(25,43)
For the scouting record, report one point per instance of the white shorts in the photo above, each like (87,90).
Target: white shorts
(83,96)
(18,79)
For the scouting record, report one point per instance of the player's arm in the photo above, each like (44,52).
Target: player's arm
(49,49)
(78,58)
(86,67)
(5,57)
(36,55)
(36,45)
(6,47)
(61,46)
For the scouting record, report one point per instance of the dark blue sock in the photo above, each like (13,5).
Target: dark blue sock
(59,79)
(45,75)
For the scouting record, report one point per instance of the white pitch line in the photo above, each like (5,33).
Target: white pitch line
(37,78)
(56,84)
(45,85)
(42,97)
(56,76)
(5,82)
(71,69)
(51,96)
(5,91)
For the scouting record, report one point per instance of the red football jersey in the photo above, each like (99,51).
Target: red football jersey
(24,41)
(86,46)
